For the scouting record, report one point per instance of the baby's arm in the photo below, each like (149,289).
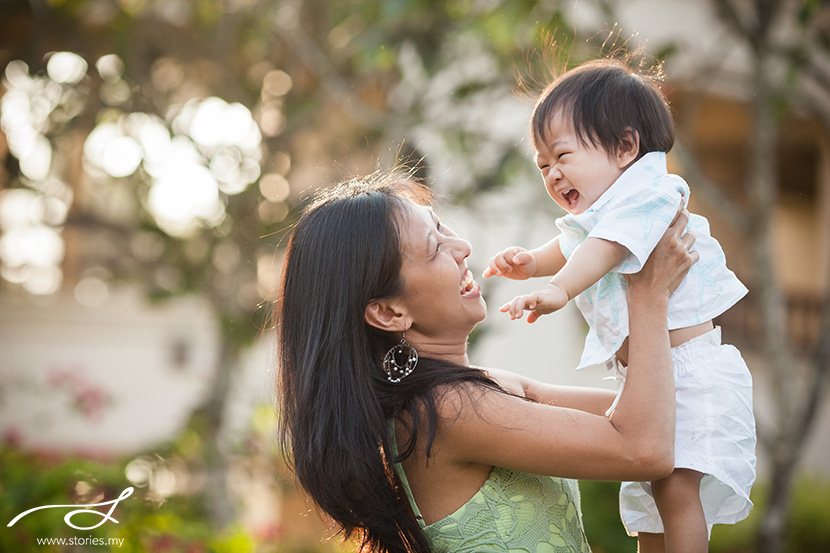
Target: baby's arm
(518,263)
(590,261)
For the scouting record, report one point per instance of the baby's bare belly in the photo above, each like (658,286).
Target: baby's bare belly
(676,337)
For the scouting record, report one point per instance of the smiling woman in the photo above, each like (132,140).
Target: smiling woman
(418,452)
(434,269)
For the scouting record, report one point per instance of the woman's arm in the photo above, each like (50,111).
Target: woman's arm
(635,443)
(583,398)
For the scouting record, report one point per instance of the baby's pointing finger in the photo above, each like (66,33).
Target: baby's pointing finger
(495,268)
(503,264)
(517,308)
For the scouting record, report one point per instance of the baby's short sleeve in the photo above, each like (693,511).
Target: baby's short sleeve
(638,220)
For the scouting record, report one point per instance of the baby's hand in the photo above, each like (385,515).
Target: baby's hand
(547,300)
(514,262)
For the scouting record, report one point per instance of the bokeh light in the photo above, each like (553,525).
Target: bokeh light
(66,67)
(185,195)
(110,67)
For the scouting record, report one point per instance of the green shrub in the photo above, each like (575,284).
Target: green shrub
(809,530)
(809,524)
(601,517)
(146,524)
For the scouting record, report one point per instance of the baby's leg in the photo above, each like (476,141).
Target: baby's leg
(678,501)
(650,543)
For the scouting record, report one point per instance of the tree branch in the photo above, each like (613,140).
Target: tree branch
(767,11)
(40,9)
(814,97)
(337,88)
(714,195)
(729,14)
(819,369)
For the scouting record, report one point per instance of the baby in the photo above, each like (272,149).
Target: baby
(601,132)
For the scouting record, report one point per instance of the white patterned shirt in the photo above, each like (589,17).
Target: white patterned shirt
(635,212)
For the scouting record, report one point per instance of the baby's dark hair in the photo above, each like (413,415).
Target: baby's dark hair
(604,100)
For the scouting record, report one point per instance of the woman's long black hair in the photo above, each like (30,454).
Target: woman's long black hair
(335,399)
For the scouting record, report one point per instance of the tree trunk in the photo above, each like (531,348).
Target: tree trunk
(773,529)
(208,421)
(763,193)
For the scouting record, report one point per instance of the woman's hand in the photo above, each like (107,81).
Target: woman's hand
(668,263)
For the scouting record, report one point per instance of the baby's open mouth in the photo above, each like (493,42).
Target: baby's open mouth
(571,196)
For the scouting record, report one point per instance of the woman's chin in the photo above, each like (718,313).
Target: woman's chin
(481,312)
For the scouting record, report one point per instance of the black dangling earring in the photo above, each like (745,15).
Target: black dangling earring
(400,361)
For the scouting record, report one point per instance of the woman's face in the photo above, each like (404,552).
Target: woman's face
(439,294)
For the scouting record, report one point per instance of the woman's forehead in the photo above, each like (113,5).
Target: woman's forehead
(417,214)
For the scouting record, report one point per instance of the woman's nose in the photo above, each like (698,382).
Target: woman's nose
(462,249)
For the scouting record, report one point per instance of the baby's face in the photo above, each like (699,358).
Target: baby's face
(575,174)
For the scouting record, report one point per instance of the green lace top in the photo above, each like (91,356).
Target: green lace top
(512,512)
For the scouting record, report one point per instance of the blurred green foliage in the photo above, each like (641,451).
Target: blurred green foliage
(145,524)
(179,523)
(148,522)
(601,518)
(809,531)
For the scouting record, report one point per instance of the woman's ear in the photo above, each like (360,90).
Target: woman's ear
(387,315)
(628,149)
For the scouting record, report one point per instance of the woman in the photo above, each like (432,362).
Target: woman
(397,437)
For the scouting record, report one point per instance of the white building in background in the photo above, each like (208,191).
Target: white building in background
(105,380)
(114,379)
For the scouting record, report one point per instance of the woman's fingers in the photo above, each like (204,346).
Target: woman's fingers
(695,256)
(688,239)
(671,259)
(681,218)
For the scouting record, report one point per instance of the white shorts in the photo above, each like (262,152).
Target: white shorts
(715,435)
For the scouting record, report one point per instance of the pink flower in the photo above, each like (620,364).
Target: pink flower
(12,437)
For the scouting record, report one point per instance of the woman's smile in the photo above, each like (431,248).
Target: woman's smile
(469,287)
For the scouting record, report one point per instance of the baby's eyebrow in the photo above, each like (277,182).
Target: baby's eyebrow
(559,141)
